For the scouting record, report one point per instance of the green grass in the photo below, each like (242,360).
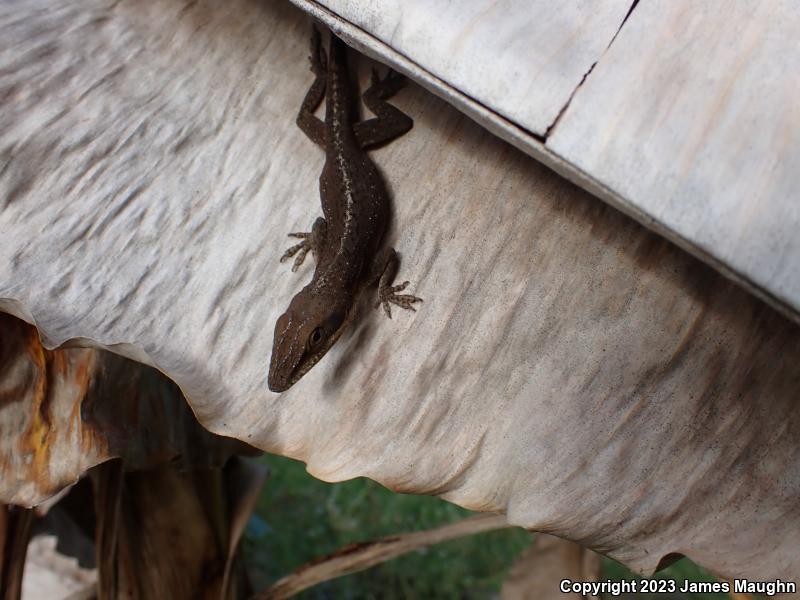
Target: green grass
(680,571)
(300,518)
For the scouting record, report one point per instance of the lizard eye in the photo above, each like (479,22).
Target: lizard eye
(315,337)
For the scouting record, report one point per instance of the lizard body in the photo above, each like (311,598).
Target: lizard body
(346,241)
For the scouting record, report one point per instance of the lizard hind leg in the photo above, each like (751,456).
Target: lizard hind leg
(385,269)
(313,241)
(390,121)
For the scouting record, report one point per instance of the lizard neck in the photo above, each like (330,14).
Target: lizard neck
(339,274)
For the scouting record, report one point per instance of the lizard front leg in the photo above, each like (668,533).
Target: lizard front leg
(313,240)
(384,270)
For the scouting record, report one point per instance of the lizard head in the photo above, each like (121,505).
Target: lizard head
(303,334)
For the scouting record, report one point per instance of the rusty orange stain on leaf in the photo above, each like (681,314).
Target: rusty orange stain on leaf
(66,410)
(36,439)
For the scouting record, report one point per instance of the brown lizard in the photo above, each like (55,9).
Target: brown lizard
(346,242)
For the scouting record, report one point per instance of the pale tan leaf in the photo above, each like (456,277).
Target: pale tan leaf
(522,58)
(52,575)
(713,140)
(568,367)
(64,411)
(538,573)
(357,557)
(699,143)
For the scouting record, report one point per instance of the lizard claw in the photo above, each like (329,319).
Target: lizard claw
(387,295)
(300,249)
